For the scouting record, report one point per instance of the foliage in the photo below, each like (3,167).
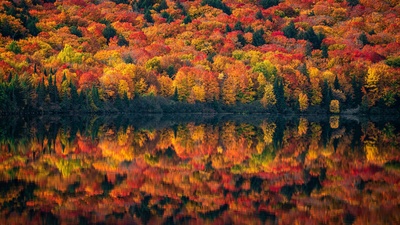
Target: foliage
(334,106)
(122,51)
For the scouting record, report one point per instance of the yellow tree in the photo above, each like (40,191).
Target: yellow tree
(374,82)
(303,102)
(229,87)
(166,86)
(269,98)
(184,81)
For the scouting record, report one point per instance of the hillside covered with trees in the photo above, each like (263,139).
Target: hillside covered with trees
(200,56)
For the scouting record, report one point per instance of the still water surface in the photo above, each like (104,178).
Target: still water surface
(181,169)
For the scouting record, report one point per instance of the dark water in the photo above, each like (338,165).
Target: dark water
(197,169)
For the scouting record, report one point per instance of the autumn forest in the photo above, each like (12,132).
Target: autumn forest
(199,112)
(199,56)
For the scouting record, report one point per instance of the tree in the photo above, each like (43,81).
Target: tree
(279,94)
(290,31)
(241,40)
(14,47)
(363,39)
(75,31)
(148,17)
(303,102)
(334,106)
(53,92)
(336,83)
(228,28)
(357,94)
(259,15)
(217,4)
(41,93)
(258,38)
(309,49)
(268,98)
(238,26)
(268,3)
(163,5)
(187,19)
(229,90)
(324,49)
(315,39)
(122,41)
(326,94)
(109,32)
(352,2)
(267,69)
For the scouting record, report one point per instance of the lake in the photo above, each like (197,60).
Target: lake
(199,169)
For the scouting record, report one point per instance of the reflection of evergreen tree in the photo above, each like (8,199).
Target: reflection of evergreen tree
(326,133)
(357,94)
(278,134)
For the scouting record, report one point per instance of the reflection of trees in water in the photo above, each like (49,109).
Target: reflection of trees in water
(282,169)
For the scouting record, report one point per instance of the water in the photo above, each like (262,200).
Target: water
(199,169)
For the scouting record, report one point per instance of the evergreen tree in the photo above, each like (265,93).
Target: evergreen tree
(52,89)
(315,39)
(187,19)
(258,38)
(109,32)
(309,49)
(217,4)
(279,94)
(170,19)
(303,70)
(175,97)
(178,5)
(324,49)
(65,102)
(143,4)
(122,41)
(241,40)
(357,94)
(290,31)
(75,101)
(238,26)
(125,101)
(148,17)
(75,31)
(94,99)
(249,29)
(268,3)
(352,2)
(326,94)
(163,5)
(336,84)
(170,71)
(259,15)
(41,93)
(228,29)
(363,39)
